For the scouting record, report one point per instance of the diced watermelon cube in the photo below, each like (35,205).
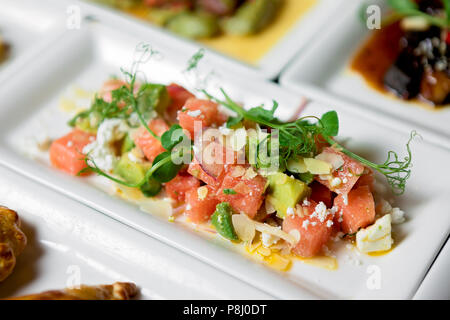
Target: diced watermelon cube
(199,209)
(66,153)
(348,174)
(249,192)
(358,209)
(150,146)
(178,96)
(320,193)
(367,179)
(314,233)
(182,183)
(204,112)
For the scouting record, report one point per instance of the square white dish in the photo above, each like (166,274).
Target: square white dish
(269,67)
(68,244)
(85,58)
(27,26)
(316,71)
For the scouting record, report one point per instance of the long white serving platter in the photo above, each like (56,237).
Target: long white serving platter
(69,243)
(269,67)
(324,67)
(87,57)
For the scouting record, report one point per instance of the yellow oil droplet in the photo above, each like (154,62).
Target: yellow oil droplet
(81,93)
(380,253)
(67,105)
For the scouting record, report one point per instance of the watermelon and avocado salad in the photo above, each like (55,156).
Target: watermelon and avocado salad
(290,186)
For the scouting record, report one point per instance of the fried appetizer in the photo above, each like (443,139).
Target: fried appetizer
(116,291)
(4,50)
(12,241)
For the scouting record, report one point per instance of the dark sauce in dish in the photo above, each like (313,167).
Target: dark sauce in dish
(413,65)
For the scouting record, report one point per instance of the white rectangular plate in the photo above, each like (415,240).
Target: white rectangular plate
(87,57)
(26,26)
(68,243)
(317,70)
(269,67)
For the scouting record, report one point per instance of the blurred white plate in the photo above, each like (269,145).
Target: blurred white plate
(436,286)
(325,67)
(69,243)
(269,67)
(87,57)
(27,27)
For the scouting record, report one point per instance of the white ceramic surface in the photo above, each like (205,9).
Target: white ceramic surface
(324,67)
(69,243)
(268,67)
(86,57)
(436,285)
(27,28)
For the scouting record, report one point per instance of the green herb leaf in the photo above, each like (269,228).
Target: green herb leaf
(409,8)
(229,191)
(261,113)
(404,6)
(330,123)
(172,137)
(167,170)
(151,188)
(233,121)
(195,59)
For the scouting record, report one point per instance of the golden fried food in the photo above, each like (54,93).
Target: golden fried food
(116,291)
(4,50)
(12,241)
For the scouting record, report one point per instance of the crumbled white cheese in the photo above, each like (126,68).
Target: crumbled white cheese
(268,239)
(101,150)
(306,224)
(345,198)
(133,158)
(376,237)
(306,202)
(329,223)
(320,212)
(397,216)
(290,211)
(69,143)
(194,113)
(336,182)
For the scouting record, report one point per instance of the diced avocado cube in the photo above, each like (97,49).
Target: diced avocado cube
(151,97)
(285,192)
(252,17)
(120,4)
(194,25)
(130,171)
(161,16)
(127,144)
